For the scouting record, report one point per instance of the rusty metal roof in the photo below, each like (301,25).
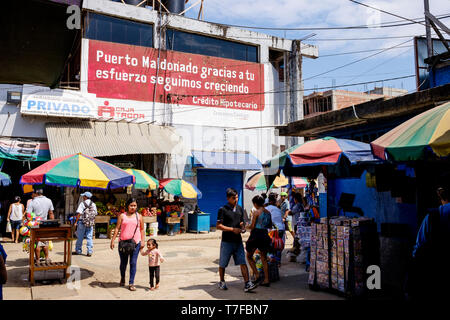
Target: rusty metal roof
(99,139)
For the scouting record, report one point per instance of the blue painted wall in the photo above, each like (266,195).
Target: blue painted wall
(440,76)
(378,205)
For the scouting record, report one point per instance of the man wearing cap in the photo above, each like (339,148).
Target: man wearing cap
(87,210)
(43,208)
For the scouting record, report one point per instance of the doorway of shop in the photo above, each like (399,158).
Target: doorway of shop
(213,185)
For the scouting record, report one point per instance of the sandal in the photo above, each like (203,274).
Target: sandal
(132,287)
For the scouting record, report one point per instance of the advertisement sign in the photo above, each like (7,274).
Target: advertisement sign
(44,101)
(24,149)
(119,71)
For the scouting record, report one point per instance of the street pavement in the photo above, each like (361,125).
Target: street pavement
(189,272)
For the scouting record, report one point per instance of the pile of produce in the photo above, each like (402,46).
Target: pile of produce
(149,212)
(103,210)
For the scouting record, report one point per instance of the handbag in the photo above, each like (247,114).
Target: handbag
(8,227)
(128,246)
(277,242)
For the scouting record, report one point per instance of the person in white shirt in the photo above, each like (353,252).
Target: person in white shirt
(43,208)
(278,220)
(15,217)
(85,229)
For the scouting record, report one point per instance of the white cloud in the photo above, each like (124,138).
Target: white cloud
(325,13)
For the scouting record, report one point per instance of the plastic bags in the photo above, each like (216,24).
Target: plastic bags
(8,227)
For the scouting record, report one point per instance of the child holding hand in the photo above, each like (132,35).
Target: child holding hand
(154,260)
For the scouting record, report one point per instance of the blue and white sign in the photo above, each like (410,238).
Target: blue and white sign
(44,101)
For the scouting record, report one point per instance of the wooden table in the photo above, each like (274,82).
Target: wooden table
(61,233)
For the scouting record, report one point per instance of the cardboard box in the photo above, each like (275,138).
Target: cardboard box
(322,267)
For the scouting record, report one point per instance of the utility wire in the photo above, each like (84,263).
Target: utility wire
(386,12)
(369,26)
(362,51)
(356,61)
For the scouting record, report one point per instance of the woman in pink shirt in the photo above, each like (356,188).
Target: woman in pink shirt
(131,226)
(154,260)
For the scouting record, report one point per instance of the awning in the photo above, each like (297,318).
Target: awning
(100,139)
(225,160)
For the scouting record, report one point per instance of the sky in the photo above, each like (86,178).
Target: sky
(396,62)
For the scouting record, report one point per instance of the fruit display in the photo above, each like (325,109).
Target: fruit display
(103,210)
(149,212)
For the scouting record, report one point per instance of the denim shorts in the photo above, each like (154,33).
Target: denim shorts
(228,249)
(15,224)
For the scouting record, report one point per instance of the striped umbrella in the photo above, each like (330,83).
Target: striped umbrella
(79,170)
(143,180)
(328,151)
(258,182)
(181,188)
(279,160)
(5,179)
(411,139)
(299,182)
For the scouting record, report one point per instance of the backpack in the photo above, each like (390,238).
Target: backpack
(88,215)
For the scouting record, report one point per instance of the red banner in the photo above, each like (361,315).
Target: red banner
(131,72)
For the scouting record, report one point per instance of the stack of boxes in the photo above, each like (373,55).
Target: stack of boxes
(319,269)
(343,266)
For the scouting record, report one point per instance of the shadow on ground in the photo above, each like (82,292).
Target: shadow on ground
(287,288)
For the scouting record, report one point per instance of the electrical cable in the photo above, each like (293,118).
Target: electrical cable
(377,25)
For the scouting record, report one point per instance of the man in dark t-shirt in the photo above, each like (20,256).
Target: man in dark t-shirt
(230,219)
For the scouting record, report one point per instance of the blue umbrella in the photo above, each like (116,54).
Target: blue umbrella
(5,179)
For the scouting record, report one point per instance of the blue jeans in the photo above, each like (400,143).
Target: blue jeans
(228,249)
(133,263)
(82,232)
(308,256)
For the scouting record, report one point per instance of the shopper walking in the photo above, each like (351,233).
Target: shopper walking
(15,217)
(285,208)
(43,208)
(230,219)
(87,210)
(132,238)
(429,253)
(154,261)
(277,220)
(259,239)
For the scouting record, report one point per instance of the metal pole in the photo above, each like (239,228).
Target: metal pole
(428,28)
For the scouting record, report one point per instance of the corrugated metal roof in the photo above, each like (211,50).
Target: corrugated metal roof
(99,139)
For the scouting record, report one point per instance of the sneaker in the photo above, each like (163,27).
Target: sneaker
(222,285)
(249,286)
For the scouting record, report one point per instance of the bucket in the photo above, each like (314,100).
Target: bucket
(153,229)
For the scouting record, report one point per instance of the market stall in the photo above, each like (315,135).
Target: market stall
(77,171)
(172,213)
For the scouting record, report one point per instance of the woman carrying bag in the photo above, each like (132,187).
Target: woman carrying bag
(131,240)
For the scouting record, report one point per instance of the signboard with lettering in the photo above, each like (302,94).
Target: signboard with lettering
(24,149)
(44,101)
(120,71)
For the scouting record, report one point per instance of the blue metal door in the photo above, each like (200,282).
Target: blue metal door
(213,185)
